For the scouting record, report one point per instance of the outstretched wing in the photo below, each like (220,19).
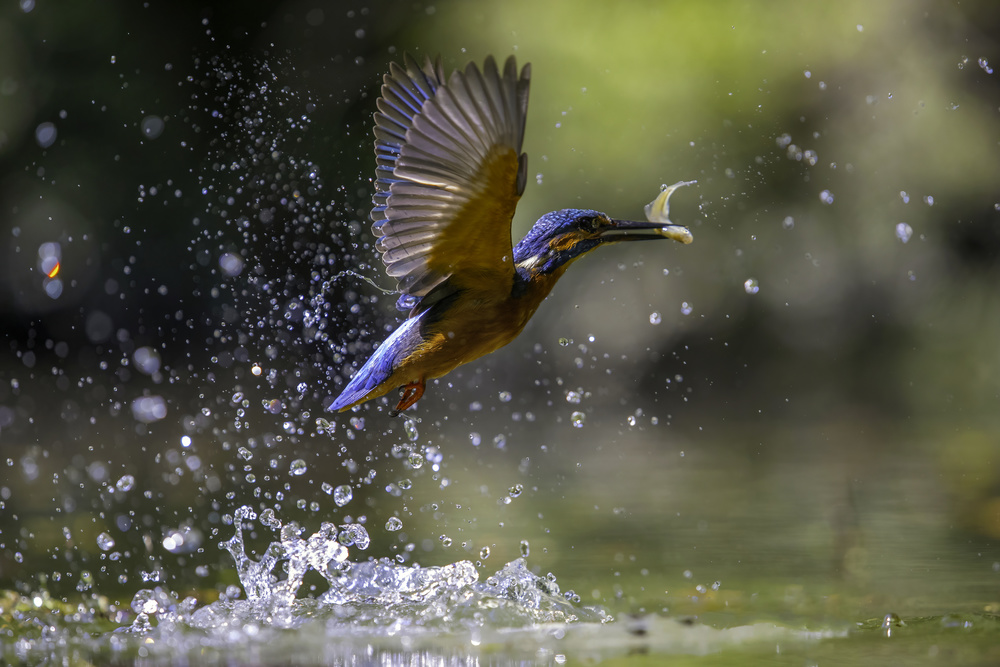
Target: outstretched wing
(449,173)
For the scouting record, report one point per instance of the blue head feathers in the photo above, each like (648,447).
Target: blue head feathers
(560,237)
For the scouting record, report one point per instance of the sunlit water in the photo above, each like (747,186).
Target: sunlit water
(373,610)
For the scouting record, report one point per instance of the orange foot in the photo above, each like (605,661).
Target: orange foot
(411,394)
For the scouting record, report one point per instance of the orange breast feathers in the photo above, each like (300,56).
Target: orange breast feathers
(474,325)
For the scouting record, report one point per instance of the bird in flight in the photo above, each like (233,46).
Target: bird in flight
(449,172)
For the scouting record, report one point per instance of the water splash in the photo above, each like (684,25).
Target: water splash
(366,600)
(354,274)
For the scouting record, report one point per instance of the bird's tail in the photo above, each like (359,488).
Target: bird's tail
(364,382)
(374,378)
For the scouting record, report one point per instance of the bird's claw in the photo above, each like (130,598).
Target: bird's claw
(411,393)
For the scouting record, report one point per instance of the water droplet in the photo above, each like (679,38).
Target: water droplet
(686,308)
(45,134)
(342,495)
(298,467)
(654,318)
(327,488)
(475,439)
(788,222)
(147,360)
(354,534)
(357,423)
(516,490)
(269,519)
(415,460)
(573,397)
(566,342)
(577,419)
(445,540)
(434,455)
(256,370)
(904,232)
(144,602)
(505,397)
(484,553)
(410,426)
(149,409)
(826,197)
(125,483)
(152,127)
(105,542)
(393,524)
(525,549)
(231,264)
(244,453)
(751,286)
(182,540)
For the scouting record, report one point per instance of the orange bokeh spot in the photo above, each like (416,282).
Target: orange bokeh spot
(54,271)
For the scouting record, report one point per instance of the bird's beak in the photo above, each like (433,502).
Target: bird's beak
(630,230)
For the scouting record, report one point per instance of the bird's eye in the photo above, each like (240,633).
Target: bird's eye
(588,224)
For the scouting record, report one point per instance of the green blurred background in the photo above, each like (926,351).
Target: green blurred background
(802,405)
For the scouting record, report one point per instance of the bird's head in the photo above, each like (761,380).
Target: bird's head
(560,237)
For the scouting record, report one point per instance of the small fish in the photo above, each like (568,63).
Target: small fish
(658,210)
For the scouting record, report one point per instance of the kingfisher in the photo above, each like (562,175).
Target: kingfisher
(449,173)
